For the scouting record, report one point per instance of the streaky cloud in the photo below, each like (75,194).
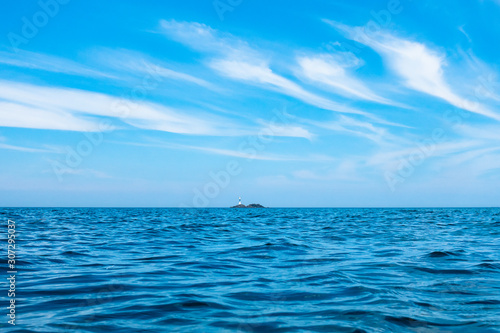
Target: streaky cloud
(53,108)
(25,149)
(420,68)
(49,63)
(126,62)
(23,116)
(263,75)
(235,59)
(44,107)
(225,152)
(327,71)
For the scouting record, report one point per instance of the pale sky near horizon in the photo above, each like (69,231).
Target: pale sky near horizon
(284,103)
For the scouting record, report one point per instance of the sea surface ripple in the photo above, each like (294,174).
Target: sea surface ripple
(255,270)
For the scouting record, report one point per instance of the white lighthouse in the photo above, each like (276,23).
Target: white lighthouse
(239,200)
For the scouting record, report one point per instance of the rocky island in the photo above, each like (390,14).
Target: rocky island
(240,205)
(249,206)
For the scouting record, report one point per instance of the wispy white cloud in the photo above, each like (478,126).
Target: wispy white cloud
(484,85)
(462,30)
(392,159)
(485,163)
(235,59)
(84,172)
(41,107)
(467,156)
(468,165)
(203,38)
(19,115)
(489,133)
(421,68)
(355,127)
(127,62)
(288,130)
(262,74)
(443,159)
(31,106)
(258,155)
(331,73)
(88,173)
(349,125)
(345,170)
(45,62)
(241,154)
(115,64)
(25,149)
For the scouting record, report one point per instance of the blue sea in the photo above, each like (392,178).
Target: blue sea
(254,270)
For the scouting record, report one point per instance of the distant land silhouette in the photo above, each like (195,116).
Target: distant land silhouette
(249,206)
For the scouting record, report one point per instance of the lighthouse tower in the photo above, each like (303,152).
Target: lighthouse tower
(239,200)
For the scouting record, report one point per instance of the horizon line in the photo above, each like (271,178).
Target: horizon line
(229,207)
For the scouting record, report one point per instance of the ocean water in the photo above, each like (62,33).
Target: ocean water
(254,270)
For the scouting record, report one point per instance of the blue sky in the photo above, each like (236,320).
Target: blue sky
(303,103)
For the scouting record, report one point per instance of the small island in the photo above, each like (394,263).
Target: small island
(249,206)
(240,205)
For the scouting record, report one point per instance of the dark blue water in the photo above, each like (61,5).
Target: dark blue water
(255,270)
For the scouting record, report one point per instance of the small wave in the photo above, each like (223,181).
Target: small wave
(445,271)
(74,253)
(279,296)
(440,254)
(275,326)
(412,322)
(156,258)
(488,265)
(177,322)
(485,302)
